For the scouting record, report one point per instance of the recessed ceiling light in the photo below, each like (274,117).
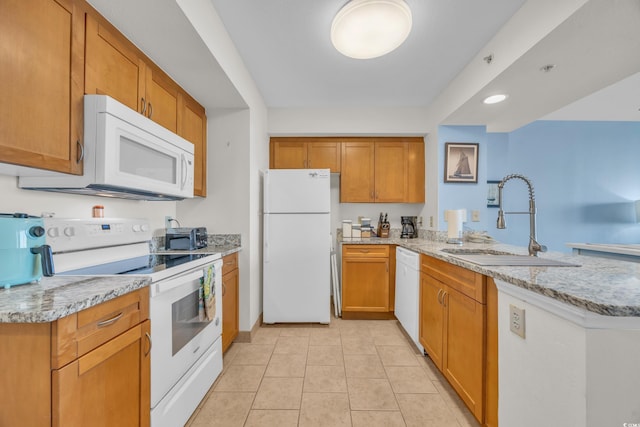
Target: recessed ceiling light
(494,99)
(365,29)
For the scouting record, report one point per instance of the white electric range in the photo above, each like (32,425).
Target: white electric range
(186,351)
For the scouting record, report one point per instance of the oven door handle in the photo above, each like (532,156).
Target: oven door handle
(177,281)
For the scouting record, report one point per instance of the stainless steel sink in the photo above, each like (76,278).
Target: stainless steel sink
(490,257)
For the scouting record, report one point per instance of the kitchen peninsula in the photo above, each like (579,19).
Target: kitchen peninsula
(585,372)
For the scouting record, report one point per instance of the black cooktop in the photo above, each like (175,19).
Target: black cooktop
(142,265)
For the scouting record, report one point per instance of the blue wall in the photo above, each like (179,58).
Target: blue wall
(586,177)
(468,196)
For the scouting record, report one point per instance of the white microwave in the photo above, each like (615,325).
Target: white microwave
(126,155)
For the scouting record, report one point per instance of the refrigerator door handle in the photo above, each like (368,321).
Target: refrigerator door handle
(265,236)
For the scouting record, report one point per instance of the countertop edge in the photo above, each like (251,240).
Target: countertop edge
(507,274)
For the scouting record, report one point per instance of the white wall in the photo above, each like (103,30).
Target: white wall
(573,368)
(209,26)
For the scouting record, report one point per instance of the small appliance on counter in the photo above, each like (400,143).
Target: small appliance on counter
(409,227)
(24,257)
(455,219)
(185,238)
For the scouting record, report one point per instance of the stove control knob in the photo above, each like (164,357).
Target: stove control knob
(69,231)
(53,232)
(144,227)
(136,227)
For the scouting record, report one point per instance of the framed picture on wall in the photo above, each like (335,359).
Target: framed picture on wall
(460,162)
(493,196)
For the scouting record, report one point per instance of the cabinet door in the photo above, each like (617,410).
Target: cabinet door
(230,297)
(41,82)
(112,66)
(415,172)
(288,154)
(431,318)
(357,172)
(192,126)
(365,284)
(108,386)
(391,179)
(463,363)
(323,155)
(162,99)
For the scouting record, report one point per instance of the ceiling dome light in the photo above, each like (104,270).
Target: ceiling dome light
(494,99)
(365,29)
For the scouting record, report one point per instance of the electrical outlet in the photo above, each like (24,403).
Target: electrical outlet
(516,320)
(167,221)
(475,216)
(431,221)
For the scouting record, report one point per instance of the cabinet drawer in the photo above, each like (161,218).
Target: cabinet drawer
(79,333)
(466,281)
(368,251)
(229,263)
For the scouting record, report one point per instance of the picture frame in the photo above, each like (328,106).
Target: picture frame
(493,195)
(461,162)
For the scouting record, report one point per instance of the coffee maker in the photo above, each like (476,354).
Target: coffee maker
(409,227)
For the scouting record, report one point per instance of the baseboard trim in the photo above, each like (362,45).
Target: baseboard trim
(247,336)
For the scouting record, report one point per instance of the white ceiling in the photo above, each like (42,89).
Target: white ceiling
(287,48)
(285,45)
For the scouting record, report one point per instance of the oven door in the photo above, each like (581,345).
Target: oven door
(178,333)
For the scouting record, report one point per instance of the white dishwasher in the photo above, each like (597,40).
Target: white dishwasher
(408,292)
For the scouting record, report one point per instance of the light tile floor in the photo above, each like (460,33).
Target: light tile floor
(360,373)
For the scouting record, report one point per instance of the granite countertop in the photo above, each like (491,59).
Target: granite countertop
(600,285)
(223,250)
(59,296)
(621,249)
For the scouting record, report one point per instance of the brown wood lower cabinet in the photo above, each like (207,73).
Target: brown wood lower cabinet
(368,281)
(454,331)
(230,299)
(89,368)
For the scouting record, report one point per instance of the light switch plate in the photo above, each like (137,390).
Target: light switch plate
(516,320)
(475,216)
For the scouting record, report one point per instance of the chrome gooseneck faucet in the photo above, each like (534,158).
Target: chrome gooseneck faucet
(534,246)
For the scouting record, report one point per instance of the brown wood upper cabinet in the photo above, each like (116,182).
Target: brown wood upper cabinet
(305,153)
(115,67)
(41,81)
(192,126)
(382,170)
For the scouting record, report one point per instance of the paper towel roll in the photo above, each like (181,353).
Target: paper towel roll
(454,219)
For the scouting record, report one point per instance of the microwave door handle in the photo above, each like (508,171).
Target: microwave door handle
(184,171)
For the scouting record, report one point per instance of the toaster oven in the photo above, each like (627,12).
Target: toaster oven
(185,238)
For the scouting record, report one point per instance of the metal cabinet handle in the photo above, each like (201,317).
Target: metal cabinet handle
(79,159)
(108,322)
(377,195)
(224,289)
(444,298)
(439,293)
(144,106)
(150,110)
(372,195)
(146,334)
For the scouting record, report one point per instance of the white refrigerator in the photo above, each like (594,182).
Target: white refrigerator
(296,246)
